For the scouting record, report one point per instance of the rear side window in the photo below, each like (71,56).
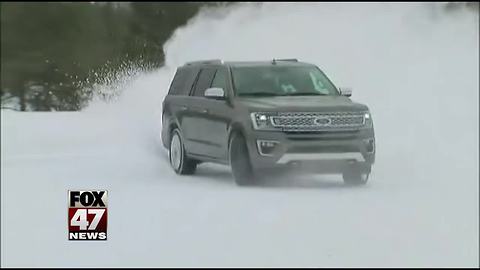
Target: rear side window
(204,81)
(182,81)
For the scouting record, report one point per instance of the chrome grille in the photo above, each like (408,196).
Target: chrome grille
(316,121)
(293,121)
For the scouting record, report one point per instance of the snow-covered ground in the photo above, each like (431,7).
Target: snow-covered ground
(417,70)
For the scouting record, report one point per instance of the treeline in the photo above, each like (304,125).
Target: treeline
(49,49)
(51,53)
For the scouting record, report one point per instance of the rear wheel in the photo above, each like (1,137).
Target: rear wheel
(242,169)
(179,161)
(355,176)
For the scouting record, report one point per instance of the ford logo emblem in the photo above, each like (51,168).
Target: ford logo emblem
(322,121)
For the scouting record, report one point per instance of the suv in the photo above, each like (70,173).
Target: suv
(258,115)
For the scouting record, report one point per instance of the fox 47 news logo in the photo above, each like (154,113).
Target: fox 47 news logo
(87,215)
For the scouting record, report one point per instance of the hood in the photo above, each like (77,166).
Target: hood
(302,103)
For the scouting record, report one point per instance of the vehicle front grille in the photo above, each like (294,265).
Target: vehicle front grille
(316,121)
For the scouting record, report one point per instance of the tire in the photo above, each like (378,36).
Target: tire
(179,161)
(242,169)
(355,177)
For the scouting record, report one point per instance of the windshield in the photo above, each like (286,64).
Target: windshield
(281,81)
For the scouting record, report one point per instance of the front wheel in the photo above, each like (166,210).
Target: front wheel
(179,161)
(240,161)
(355,177)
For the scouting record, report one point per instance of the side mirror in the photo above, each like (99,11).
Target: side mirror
(345,91)
(215,93)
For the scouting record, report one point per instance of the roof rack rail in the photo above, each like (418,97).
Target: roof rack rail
(288,60)
(204,62)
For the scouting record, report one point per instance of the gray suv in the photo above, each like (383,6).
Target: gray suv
(265,115)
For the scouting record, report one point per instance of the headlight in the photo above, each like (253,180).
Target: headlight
(261,121)
(367,119)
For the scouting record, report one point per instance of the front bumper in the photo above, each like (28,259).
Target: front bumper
(326,152)
(292,157)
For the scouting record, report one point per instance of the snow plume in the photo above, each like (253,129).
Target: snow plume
(414,64)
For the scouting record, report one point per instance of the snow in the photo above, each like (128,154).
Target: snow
(418,74)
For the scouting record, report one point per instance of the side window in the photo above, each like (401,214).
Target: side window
(220,79)
(203,82)
(177,83)
(182,81)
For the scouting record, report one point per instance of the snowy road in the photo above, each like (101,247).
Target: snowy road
(420,207)
(159,219)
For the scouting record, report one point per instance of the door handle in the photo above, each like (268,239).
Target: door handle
(204,111)
(183,108)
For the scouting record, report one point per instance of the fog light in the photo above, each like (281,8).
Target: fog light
(370,145)
(266,148)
